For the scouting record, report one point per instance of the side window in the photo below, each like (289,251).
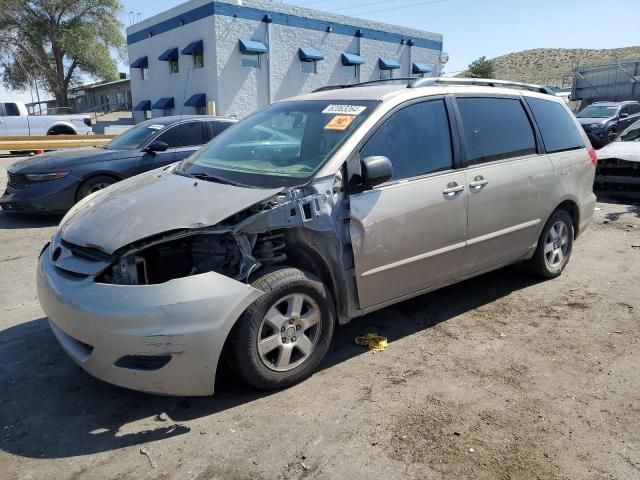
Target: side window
(495,128)
(559,131)
(11,110)
(183,135)
(416,139)
(635,109)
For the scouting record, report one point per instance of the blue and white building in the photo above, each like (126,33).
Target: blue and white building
(230,57)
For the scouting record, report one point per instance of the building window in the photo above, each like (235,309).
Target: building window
(198,60)
(148,115)
(350,71)
(144,72)
(307,66)
(250,61)
(174,67)
(386,74)
(201,110)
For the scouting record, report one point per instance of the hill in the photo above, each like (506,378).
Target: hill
(548,66)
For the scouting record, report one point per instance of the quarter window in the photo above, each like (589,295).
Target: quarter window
(183,135)
(559,131)
(416,139)
(495,128)
(11,110)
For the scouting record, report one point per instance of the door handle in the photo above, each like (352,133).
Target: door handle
(478,182)
(453,189)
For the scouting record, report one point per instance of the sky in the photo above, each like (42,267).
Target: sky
(473,28)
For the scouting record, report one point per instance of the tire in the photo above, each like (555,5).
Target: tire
(94,184)
(554,246)
(275,324)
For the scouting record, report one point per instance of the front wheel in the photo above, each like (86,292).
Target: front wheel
(284,335)
(94,184)
(554,245)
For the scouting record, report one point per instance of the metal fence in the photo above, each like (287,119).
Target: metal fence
(613,82)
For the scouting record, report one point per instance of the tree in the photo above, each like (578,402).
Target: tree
(481,68)
(57,42)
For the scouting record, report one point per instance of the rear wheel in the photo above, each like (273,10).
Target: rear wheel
(554,246)
(93,184)
(283,336)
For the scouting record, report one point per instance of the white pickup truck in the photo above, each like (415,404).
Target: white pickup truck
(15,120)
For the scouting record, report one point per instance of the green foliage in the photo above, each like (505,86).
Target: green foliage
(56,42)
(481,68)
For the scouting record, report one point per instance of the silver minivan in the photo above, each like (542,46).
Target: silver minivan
(308,213)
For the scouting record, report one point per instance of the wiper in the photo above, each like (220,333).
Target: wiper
(210,178)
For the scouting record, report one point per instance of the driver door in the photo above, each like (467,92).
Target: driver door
(408,234)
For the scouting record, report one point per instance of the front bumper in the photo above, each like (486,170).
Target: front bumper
(53,197)
(186,319)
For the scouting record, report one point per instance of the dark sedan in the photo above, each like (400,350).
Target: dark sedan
(55,181)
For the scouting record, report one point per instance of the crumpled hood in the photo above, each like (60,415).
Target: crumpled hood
(153,203)
(623,150)
(56,160)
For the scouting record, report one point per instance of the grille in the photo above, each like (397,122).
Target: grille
(16,181)
(88,253)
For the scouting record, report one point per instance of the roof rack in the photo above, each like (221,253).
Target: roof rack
(361,84)
(430,82)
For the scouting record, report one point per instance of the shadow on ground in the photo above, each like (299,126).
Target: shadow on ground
(50,408)
(12,221)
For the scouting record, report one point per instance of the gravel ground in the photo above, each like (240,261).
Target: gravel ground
(499,377)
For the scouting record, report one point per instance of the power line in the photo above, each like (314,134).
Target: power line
(351,7)
(398,8)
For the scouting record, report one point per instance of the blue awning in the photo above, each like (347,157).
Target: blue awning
(351,59)
(421,68)
(143,106)
(197,100)
(142,62)
(171,54)
(388,64)
(253,46)
(193,48)
(310,54)
(164,104)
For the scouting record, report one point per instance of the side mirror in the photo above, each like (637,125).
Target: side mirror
(156,146)
(624,115)
(376,170)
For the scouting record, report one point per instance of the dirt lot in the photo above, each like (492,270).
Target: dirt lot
(500,377)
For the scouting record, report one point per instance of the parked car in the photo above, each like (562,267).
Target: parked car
(15,120)
(603,121)
(391,192)
(619,162)
(55,181)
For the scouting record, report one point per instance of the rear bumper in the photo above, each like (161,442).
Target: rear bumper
(185,321)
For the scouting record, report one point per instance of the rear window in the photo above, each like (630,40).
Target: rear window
(558,130)
(495,128)
(12,110)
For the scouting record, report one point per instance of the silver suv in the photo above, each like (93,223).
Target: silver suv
(310,212)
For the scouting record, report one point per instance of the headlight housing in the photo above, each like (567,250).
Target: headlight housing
(43,177)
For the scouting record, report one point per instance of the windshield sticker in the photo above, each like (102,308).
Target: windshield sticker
(340,123)
(156,127)
(344,109)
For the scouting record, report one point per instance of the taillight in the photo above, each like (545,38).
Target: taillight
(87,121)
(593,155)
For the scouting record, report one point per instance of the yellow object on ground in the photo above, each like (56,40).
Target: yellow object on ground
(374,341)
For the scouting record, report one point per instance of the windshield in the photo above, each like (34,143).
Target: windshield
(631,134)
(598,111)
(282,145)
(136,137)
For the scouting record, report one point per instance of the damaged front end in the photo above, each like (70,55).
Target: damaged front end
(305,227)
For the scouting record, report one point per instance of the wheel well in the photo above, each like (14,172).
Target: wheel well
(61,130)
(574,212)
(115,177)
